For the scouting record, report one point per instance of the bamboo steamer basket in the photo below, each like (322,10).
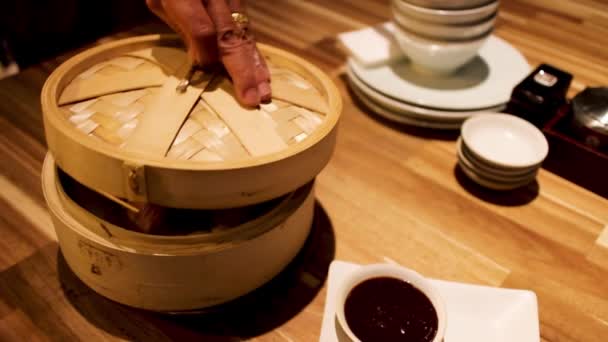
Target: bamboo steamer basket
(177,273)
(115,121)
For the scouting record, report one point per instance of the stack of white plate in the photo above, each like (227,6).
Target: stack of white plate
(501,151)
(401,93)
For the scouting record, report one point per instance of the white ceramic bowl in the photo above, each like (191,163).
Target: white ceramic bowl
(449,4)
(437,56)
(443,31)
(504,141)
(488,169)
(443,16)
(513,179)
(389,270)
(489,183)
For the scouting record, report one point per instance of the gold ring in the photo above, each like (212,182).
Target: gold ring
(241,20)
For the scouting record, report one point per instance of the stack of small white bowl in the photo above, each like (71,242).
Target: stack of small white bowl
(501,151)
(442,35)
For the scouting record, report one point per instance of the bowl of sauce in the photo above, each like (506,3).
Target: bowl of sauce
(389,303)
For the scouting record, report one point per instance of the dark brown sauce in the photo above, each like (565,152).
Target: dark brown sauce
(389,309)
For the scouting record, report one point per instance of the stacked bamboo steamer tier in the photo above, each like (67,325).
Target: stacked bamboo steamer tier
(237,183)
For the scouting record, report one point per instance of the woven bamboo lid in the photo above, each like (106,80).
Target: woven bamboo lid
(115,121)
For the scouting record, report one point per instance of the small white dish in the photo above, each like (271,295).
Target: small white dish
(487,81)
(403,118)
(479,163)
(362,273)
(494,177)
(447,16)
(474,313)
(449,4)
(443,31)
(490,183)
(493,173)
(505,141)
(412,110)
(437,56)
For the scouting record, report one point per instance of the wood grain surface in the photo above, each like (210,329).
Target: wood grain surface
(389,192)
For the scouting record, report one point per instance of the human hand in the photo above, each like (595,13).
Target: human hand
(212,35)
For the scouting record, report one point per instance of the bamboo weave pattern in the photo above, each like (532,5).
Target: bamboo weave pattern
(204,136)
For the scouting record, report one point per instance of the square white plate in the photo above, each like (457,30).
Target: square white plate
(475,313)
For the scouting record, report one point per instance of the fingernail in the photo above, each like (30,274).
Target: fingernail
(252,96)
(265,92)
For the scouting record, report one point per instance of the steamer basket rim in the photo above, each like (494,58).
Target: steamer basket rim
(51,111)
(150,244)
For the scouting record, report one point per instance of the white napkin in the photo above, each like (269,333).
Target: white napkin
(372,46)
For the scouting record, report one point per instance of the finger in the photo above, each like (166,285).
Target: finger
(192,20)
(236,52)
(156,7)
(237,5)
(262,76)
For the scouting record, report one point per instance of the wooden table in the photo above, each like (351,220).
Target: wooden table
(389,192)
